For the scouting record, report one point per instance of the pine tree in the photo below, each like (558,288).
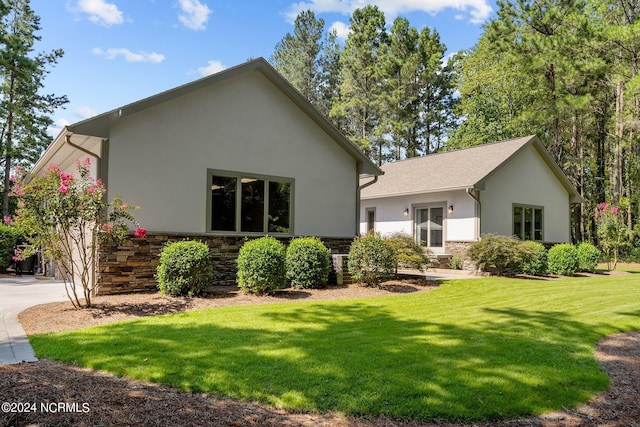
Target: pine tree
(23,110)
(296,55)
(360,105)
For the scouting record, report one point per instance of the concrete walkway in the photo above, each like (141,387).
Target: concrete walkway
(16,294)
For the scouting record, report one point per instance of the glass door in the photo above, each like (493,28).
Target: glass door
(429,227)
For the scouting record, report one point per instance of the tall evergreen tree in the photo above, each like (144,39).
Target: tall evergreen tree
(361,101)
(402,92)
(437,91)
(296,55)
(24,112)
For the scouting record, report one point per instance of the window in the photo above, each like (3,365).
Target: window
(242,203)
(527,222)
(371,219)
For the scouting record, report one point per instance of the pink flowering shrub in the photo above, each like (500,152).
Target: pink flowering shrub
(65,215)
(612,232)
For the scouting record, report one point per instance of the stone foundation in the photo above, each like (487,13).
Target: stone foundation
(460,248)
(131,266)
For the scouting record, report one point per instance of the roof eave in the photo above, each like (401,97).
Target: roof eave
(100,125)
(418,192)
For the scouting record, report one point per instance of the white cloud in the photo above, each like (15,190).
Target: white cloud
(195,14)
(341,29)
(129,56)
(101,12)
(85,112)
(212,67)
(57,126)
(478,10)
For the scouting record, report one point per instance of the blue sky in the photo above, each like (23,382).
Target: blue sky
(120,51)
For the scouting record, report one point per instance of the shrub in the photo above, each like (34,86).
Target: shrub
(533,257)
(185,268)
(407,252)
(261,268)
(497,253)
(307,263)
(371,259)
(456,262)
(563,259)
(588,257)
(8,239)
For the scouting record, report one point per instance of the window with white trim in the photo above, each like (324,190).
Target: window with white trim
(528,222)
(245,203)
(371,219)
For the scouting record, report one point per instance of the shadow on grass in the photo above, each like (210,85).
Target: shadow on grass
(356,358)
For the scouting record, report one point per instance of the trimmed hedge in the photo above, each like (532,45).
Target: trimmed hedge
(563,259)
(185,268)
(533,258)
(588,257)
(261,266)
(8,240)
(307,263)
(371,259)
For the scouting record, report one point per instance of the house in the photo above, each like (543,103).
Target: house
(233,155)
(448,200)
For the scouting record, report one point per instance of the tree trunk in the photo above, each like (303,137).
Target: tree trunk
(8,148)
(617,183)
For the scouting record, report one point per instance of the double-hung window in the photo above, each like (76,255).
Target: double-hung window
(528,222)
(246,203)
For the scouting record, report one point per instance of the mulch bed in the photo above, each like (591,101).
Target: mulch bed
(101,399)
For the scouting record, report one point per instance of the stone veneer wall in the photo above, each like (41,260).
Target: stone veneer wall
(131,266)
(454,248)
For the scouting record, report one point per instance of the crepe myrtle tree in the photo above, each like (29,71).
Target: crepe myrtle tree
(65,216)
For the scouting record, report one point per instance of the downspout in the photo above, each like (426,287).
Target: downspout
(472,193)
(360,188)
(90,153)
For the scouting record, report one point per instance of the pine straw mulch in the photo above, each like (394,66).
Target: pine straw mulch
(117,401)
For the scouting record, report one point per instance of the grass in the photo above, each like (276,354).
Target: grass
(477,349)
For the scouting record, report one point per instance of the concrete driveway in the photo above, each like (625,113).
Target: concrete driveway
(16,294)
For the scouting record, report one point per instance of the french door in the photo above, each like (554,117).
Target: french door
(429,227)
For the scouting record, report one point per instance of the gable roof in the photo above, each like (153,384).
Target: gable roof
(468,168)
(99,126)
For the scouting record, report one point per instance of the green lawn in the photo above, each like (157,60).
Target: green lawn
(472,349)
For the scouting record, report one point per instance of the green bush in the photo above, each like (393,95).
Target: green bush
(533,257)
(563,259)
(371,259)
(261,268)
(408,253)
(307,263)
(8,239)
(456,262)
(185,268)
(499,254)
(588,257)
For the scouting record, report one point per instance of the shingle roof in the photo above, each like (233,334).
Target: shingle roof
(455,170)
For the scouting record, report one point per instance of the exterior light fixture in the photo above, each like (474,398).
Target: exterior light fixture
(406,212)
(450,208)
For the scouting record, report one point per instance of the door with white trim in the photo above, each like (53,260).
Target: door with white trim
(429,227)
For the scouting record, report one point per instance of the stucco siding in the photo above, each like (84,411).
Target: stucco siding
(159,157)
(459,224)
(525,180)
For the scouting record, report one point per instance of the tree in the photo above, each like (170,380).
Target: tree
(296,55)
(437,91)
(64,216)
(360,103)
(402,102)
(23,110)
